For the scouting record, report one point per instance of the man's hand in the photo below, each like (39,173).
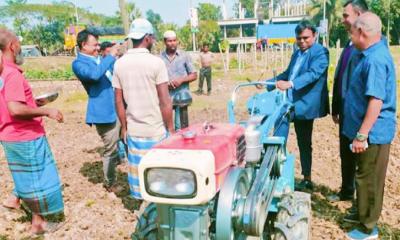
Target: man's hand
(335,119)
(358,146)
(175,83)
(123,135)
(115,50)
(55,114)
(283,85)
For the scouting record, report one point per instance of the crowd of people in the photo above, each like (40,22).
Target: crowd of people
(140,99)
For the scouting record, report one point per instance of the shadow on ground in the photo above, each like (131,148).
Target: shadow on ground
(324,209)
(94,172)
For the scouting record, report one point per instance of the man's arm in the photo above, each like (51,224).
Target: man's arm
(319,65)
(92,72)
(120,107)
(165,106)
(1,61)
(22,111)
(373,111)
(192,74)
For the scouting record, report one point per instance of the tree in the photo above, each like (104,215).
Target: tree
(334,11)
(390,16)
(209,12)
(156,21)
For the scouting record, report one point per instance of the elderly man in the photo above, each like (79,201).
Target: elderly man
(352,9)
(371,98)
(24,141)
(305,80)
(180,72)
(95,74)
(141,81)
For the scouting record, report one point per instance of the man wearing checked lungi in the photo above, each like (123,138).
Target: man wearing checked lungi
(22,135)
(141,82)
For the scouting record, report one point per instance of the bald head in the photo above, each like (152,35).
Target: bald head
(366,31)
(6,37)
(369,23)
(10,46)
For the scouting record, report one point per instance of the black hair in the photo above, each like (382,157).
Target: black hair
(83,36)
(359,5)
(303,25)
(105,45)
(137,42)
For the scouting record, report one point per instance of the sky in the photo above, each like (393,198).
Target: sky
(171,11)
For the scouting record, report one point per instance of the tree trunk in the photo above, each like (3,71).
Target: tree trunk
(124,15)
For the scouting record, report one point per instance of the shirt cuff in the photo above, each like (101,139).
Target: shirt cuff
(292,84)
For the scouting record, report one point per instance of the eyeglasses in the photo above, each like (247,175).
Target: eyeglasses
(302,38)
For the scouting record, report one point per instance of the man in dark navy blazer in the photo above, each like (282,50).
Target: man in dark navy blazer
(305,80)
(95,75)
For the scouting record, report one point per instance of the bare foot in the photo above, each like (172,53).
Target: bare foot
(12,202)
(45,227)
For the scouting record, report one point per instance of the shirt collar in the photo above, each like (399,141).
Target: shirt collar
(89,56)
(373,47)
(138,50)
(10,64)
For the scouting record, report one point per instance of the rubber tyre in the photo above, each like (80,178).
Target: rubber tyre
(146,227)
(293,220)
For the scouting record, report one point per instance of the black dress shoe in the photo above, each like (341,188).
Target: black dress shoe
(304,186)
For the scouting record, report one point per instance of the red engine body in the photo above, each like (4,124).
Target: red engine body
(224,140)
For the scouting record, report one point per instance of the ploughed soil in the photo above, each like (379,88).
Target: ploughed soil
(93,213)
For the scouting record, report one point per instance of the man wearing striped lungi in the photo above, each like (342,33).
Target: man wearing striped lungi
(141,82)
(23,138)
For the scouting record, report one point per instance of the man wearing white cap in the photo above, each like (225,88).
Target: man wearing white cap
(180,72)
(143,103)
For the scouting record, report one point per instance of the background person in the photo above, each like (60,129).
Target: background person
(206,60)
(180,72)
(95,75)
(23,138)
(141,81)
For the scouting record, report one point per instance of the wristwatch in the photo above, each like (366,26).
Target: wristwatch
(361,137)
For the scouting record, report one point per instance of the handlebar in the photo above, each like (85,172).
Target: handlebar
(264,83)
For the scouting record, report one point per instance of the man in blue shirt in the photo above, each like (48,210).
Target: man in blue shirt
(94,73)
(371,100)
(180,72)
(305,80)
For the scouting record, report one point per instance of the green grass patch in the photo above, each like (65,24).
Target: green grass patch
(52,75)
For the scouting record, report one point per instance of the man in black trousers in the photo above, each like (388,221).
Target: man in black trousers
(352,9)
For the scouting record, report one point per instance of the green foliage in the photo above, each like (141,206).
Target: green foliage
(209,12)
(58,74)
(157,22)
(390,15)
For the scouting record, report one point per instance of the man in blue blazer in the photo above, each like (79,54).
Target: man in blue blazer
(305,80)
(95,75)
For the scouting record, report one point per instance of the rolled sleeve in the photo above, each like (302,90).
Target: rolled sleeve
(162,76)
(14,88)
(116,83)
(377,76)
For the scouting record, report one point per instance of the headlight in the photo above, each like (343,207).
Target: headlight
(170,182)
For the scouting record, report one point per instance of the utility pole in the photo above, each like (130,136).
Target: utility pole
(76,14)
(124,15)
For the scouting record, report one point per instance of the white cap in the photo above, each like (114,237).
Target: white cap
(169,34)
(139,28)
